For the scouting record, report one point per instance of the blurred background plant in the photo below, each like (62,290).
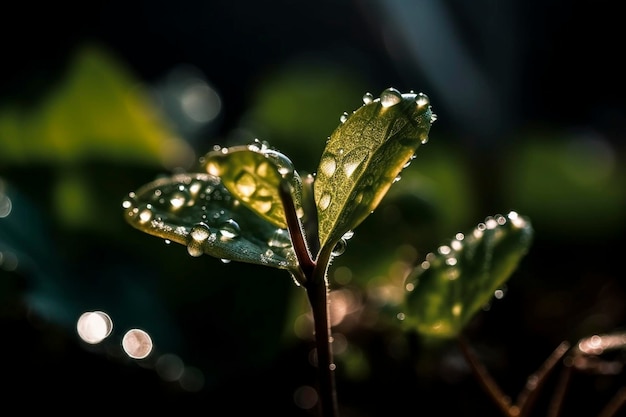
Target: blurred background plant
(112,95)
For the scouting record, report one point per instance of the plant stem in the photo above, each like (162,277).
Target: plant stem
(485,379)
(315,281)
(317,291)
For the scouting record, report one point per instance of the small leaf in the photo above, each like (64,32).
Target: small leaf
(253,174)
(364,156)
(457,281)
(197,211)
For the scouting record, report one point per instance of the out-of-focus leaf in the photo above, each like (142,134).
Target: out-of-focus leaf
(364,156)
(252,174)
(452,284)
(97,111)
(558,180)
(197,211)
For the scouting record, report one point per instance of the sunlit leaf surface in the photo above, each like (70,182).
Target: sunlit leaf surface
(252,174)
(452,284)
(197,211)
(365,155)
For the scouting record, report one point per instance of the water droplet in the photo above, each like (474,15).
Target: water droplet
(280,239)
(145,215)
(344,117)
(245,183)
(353,160)
(390,97)
(213,167)
(282,162)
(368,98)
(230,230)
(422,100)
(195,187)
(194,248)
(225,261)
(328,164)
(255,145)
(433,118)
(178,200)
(200,232)
(324,201)
(340,247)
(491,223)
(348,235)
(128,203)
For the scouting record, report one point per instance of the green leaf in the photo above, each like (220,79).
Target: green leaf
(252,174)
(452,284)
(97,111)
(197,211)
(364,156)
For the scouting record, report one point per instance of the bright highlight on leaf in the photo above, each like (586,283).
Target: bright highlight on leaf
(252,174)
(196,210)
(452,284)
(364,156)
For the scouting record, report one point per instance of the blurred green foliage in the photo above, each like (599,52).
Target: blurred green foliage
(95,111)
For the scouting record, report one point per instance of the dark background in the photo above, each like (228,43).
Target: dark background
(498,75)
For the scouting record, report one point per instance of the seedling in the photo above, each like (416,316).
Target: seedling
(248,203)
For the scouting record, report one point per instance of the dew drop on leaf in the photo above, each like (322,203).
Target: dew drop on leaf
(200,232)
(194,248)
(178,200)
(340,247)
(145,215)
(422,100)
(328,165)
(353,160)
(280,239)
(281,162)
(324,201)
(230,230)
(390,97)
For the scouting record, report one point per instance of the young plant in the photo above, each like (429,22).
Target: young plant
(248,203)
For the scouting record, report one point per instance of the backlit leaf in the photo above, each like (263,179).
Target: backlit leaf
(452,284)
(252,174)
(197,211)
(364,156)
